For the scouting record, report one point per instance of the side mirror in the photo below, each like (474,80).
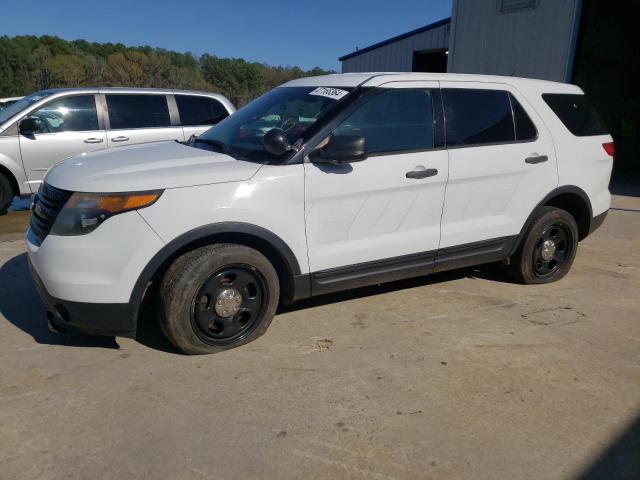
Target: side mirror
(342,149)
(276,142)
(29,126)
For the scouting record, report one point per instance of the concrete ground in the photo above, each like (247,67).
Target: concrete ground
(458,375)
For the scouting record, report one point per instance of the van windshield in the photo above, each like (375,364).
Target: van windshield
(292,109)
(20,105)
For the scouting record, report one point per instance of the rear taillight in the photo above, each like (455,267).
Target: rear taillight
(610,148)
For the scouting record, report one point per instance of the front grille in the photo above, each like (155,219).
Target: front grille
(47,204)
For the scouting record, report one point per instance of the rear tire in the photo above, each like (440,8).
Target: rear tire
(548,249)
(217,297)
(6,193)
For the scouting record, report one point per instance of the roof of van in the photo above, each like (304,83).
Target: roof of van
(127,90)
(376,79)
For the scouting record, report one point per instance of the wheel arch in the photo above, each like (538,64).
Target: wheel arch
(12,179)
(570,198)
(292,283)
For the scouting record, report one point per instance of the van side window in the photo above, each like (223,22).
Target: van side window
(395,120)
(137,111)
(476,117)
(577,114)
(198,110)
(71,114)
(525,129)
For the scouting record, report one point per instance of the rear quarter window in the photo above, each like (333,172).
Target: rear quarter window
(576,113)
(199,110)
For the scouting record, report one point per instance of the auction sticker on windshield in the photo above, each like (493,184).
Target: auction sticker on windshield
(334,93)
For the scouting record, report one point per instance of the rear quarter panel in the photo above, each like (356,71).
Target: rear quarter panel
(582,161)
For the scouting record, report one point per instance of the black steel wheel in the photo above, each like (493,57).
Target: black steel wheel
(552,250)
(217,297)
(548,248)
(229,303)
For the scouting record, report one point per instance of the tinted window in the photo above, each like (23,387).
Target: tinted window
(475,117)
(196,110)
(577,114)
(138,111)
(392,121)
(525,129)
(71,114)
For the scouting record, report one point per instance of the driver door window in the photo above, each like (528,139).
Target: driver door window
(71,114)
(396,120)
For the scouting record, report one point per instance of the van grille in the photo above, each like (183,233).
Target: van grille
(47,204)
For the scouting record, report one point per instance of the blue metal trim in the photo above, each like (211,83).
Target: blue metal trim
(574,42)
(431,26)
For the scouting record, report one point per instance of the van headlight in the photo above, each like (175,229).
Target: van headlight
(84,212)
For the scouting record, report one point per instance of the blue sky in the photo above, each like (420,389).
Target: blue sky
(287,32)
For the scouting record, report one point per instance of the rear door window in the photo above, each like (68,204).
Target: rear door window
(71,114)
(138,111)
(576,113)
(393,121)
(198,110)
(476,117)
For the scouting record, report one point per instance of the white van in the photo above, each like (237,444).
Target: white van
(48,126)
(321,185)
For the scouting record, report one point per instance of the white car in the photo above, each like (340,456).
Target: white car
(48,126)
(320,185)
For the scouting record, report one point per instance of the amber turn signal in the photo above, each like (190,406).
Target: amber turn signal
(114,203)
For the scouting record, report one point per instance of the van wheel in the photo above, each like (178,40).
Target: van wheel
(217,297)
(6,193)
(548,248)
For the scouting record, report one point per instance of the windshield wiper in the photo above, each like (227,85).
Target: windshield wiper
(214,143)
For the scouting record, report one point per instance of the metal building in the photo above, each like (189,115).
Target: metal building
(591,43)
(525,38)
(426,46)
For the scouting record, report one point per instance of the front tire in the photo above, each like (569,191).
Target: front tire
(548,249)
(217,297)
(6,194)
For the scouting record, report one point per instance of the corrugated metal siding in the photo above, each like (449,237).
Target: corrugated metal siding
(532,43)
(398,56)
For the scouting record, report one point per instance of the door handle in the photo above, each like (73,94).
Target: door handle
(429,172)
(120,139)
(93,140)
(536,159)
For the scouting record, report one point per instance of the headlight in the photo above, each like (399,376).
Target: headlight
(84,212)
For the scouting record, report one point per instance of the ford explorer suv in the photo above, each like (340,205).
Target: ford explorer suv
(320,185)
(48,126)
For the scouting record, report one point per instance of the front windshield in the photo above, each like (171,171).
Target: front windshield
(292,109)
(17,107)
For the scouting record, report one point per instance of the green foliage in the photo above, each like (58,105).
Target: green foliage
(29,64)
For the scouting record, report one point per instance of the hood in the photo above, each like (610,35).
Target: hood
(147,167)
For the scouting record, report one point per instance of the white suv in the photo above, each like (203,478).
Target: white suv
(320,185)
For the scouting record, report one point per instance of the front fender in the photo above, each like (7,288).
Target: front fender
(11,162)
(205,232)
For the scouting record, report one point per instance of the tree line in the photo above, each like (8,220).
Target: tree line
(30,63)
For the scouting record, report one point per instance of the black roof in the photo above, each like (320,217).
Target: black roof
(437,24)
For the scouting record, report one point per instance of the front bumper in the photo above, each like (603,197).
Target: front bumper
(112,319)
(87,281)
